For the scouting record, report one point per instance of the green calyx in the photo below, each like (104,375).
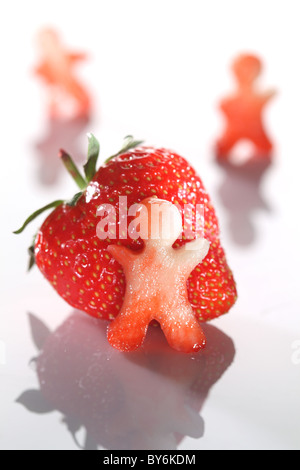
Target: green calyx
(33,216)
(128,144)
(90,169)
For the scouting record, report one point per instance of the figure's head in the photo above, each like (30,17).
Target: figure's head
(48,38)
(157,219)
(246,68)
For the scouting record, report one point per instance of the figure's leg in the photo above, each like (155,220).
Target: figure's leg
(181,328)
(127,332)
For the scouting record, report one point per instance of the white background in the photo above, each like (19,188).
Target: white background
(157,70)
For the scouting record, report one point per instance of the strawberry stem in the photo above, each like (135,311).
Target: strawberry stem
(73,170)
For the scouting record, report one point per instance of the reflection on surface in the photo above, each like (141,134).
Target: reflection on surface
(61,133)
(148,399)
(240,193)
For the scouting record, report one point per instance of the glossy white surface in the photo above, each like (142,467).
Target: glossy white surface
(156,71)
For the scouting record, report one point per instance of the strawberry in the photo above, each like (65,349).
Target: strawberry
(82,268)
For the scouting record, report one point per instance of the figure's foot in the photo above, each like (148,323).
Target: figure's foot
(183,332)
(127,332)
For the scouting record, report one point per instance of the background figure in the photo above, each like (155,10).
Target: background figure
(243,111)
(147,399)
(240,193)
(69,104)
(67,96)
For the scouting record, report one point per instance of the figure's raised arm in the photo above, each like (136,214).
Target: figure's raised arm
(192,253)
(268,95)
(121,254)
(77,56)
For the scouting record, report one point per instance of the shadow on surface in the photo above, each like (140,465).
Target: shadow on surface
(148,399)
(241,195)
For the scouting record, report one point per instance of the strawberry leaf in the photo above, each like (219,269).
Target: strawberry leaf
(93,154)
(37,213)
(128,144)
(31,257)
(73,170)
(75,199)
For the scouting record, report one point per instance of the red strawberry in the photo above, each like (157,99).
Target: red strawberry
(79,265)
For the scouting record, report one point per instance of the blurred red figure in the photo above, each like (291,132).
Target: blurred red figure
(67,95)
(243,110)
